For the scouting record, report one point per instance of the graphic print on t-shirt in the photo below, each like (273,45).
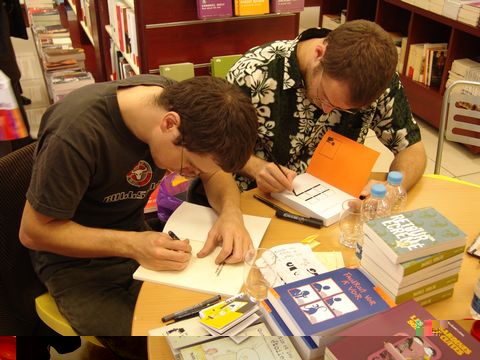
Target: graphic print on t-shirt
(140,175)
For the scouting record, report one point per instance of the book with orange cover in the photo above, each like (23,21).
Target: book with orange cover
(343,163)
(338,171)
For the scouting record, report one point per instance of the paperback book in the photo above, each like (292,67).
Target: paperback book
(325,303)
(212,9)
(415,267)
(414,234)
(407,331)
(228,313)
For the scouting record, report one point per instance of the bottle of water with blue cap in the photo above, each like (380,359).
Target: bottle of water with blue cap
(376,205)
(396,194)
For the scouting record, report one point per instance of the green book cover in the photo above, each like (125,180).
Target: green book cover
(222,64)
(414,234)
(425,289)
(415,265)
(436,298)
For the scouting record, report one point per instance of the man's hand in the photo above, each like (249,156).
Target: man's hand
(269,177)
(229,230)
(158,251)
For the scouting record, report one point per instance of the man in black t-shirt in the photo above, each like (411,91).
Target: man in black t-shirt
(101,151)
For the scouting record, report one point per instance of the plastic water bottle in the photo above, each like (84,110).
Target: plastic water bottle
(373,207)
(475,306)
(376,205)
(396,194)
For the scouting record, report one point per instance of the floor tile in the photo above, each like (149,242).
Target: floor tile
(473,178)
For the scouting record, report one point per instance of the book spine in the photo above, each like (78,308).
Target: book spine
(424,289)
(435,298)
(430,260)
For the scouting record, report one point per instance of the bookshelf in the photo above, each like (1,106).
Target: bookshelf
(178,36)
(419,25)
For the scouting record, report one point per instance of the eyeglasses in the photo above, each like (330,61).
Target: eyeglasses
(322,100)
(181,162)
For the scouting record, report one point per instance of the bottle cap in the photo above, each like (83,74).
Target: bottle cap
(395,177)
(378,190)
(475,331)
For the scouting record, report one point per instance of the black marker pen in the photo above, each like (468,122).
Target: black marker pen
(316,223)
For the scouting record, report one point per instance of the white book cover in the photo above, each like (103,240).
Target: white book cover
(191,221)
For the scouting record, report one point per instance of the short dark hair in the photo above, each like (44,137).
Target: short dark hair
(362,53)
(217,118)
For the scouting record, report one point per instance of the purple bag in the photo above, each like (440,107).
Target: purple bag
(171,193)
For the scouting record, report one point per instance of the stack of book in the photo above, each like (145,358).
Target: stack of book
(63,58)
(459,70)
(317,307)
(470,14)
(407,331)
(61,83)
(63,64)
(416,254)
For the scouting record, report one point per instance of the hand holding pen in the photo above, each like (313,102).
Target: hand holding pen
(272,177)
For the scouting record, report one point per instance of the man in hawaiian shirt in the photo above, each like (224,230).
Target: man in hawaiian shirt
(343,80)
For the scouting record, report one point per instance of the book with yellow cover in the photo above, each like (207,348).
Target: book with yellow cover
(228,313)
(251,7)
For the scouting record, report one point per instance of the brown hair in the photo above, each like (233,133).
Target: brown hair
(217,118)
(363,54)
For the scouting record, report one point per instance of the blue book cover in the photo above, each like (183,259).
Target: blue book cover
(325,303)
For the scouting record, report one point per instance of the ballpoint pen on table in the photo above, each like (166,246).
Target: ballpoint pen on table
(192,310)
(173,235)
(286,215)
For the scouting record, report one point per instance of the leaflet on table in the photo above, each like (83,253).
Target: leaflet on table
(294,262)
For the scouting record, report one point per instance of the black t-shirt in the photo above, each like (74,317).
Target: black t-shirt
(89,167)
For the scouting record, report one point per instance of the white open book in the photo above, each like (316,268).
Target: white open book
(193,222)
(338,171)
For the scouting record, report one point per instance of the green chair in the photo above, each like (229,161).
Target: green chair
(179,71)
(220,65)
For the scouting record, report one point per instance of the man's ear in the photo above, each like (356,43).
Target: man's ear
(320,50)
(170,121)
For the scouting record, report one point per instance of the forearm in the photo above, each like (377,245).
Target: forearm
(66,237)
(222,192)
(253,167)
(411,162)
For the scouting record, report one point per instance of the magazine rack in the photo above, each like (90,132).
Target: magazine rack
(460,117)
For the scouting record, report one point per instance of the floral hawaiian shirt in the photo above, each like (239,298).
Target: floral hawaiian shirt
(290,126)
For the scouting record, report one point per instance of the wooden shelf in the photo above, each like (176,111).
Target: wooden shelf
(127,57)
(87,32)
(420,26)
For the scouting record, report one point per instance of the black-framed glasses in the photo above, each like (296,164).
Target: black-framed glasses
(322,100)
(181,162)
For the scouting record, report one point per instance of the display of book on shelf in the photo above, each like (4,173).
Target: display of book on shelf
(323,304)
(470,14)
(414,234)
(251,7)
(338,171)
(214,9)
(279,6)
